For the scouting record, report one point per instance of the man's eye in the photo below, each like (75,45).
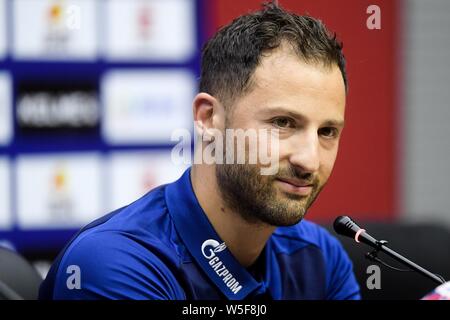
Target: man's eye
(329,132)
(283,122)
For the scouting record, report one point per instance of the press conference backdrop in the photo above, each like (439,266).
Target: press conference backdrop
(91,92)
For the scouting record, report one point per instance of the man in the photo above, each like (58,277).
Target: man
(226,231)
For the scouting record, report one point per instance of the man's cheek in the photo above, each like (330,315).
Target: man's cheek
(325,172)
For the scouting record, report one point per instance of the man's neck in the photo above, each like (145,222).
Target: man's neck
(245,240)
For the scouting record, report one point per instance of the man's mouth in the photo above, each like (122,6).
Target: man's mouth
(299,187)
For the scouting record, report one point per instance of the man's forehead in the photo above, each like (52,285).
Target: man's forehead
(282,67)
(296,82)
(284,79)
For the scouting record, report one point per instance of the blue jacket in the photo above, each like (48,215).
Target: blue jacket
(163,246)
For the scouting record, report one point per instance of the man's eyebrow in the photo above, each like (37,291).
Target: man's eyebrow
(285,111)
(329,123)
(334,123)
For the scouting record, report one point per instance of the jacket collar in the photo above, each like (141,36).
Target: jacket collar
(204,244)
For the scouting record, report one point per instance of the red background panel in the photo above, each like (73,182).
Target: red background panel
(364,180)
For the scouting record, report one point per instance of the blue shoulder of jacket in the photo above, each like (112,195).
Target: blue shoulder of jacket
(137,238)
(145,218)
(143,224)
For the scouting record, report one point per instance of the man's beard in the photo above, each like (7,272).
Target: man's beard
(256,198)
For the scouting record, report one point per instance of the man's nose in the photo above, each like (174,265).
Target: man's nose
(305,155)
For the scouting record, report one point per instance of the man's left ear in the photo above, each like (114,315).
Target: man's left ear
(208,113)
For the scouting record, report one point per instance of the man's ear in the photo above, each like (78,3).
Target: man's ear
(208,113)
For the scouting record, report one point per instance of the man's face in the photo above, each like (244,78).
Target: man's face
(306,103)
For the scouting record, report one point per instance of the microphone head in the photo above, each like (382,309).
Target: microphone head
(344,225)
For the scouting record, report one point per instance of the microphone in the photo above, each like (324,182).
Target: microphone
(345,226)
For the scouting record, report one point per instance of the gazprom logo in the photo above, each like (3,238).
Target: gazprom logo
(210,248)
(213,246)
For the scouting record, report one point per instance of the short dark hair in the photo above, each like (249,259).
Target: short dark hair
(230,58)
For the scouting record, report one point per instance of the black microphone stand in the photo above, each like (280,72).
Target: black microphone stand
(380,245)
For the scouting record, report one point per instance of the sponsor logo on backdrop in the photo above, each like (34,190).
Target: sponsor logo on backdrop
(61,20)
(61,29)
(133,174)
(144,22)
(57,35)
(60,202)
(59,191)
(145,107)
(144,30)
(57,107)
